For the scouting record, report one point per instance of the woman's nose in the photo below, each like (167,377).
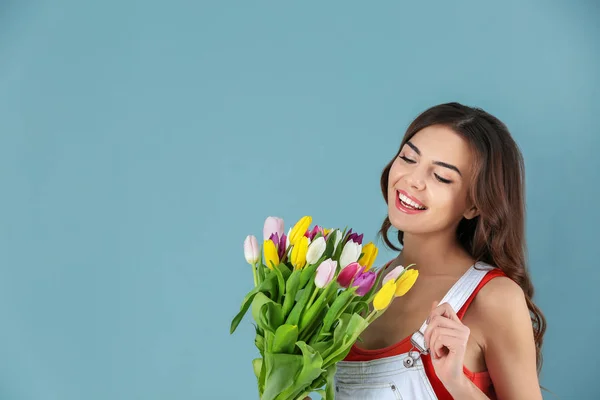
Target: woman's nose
(415,180)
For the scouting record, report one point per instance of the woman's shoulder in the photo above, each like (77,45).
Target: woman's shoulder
(497,302)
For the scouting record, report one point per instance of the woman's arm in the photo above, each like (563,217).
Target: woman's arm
(509,345)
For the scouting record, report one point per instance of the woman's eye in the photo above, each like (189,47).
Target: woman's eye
(408,160)
(439,178)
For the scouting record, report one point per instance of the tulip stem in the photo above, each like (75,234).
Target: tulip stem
(312,298)
(254,274)
(371,317)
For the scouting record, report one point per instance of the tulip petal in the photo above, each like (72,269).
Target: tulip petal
(393,274)
(384,296)
(406,281)
(270,253)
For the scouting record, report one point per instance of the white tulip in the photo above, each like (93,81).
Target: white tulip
(315,250)
(350,253)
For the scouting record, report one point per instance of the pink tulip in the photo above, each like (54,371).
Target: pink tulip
(393,274)
(348,273)
(364,281)
(325,273)
(273,225)
(251,252)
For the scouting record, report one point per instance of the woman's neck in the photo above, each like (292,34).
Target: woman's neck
(434,255)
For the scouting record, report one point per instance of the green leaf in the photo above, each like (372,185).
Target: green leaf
(243,309)
(329,246)
(341,328)
(256,366)
(311,370)
(280,372)
(267,314)
(321,347)
(308,274)
(291,289)
(280,283)
(285,270)
(269,286)
(315,309)
(358,307)
(285,339)
(337,308)
(259,342)
(338,251)
(271,316)
(310,331)
(294,317)
(330,385)
(341,348)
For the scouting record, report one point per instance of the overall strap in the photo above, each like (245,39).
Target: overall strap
(458,294)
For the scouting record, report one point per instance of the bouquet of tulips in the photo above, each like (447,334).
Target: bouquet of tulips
(315,292)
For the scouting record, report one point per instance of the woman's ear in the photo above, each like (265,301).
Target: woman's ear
(471,213)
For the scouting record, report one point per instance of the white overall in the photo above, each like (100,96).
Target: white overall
(402,376)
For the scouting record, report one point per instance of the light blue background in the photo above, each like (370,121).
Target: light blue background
(141,141)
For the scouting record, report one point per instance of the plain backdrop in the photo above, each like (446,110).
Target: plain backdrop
(141,141)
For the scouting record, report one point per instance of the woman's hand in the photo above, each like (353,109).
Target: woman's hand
(446,336)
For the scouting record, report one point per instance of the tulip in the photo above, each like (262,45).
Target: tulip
(272,225)
(348,273)
(354,237)
(251,251)
(299,229)
(316,250)
(369,254)
(312,233)
(325,273)
(280,243)
(287,240)
(337,238)
(350,253)
(299,250)
(364,281)
(406,281)
(252,254)
(271,255)
(384,296)
(393,274)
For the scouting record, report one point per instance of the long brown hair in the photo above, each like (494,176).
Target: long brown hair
(497,235)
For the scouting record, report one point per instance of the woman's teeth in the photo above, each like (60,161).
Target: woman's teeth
(409,203)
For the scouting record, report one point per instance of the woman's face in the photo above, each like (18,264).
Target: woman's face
(429,182)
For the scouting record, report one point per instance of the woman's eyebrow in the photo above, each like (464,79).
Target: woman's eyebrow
(440,163)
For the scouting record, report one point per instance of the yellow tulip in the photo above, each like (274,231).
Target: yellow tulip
(326,231)
(369,254)
(271,256)
(406,281)
(299,251)
(300,229)
(384,297)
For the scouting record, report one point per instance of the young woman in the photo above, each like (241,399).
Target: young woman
(468,329)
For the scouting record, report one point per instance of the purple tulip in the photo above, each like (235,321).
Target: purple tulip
(280,243)
(312,233)
(348,273)
(354,237)
(364,281)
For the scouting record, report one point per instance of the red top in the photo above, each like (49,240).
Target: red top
(480,379)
